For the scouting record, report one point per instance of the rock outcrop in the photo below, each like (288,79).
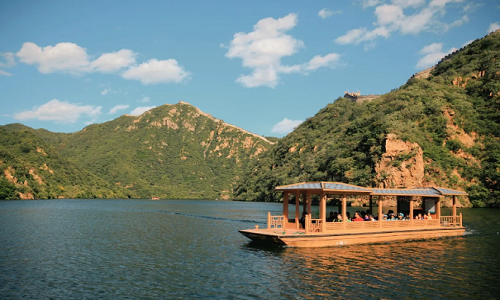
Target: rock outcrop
(402,164)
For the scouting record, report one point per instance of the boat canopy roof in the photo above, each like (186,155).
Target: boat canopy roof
(349,189)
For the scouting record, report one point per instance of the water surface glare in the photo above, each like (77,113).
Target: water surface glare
(189,249)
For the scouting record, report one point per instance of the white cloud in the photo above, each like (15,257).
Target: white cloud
(113,62)
(140,110)
(472,7)
(432,48)
(117,108)
(71,58)
(432,54)
(63,57)
(3,73)
(391,18)
(325,13)
(145,100)
(157,71)
(105,92)
(408,3)
(467,43)
(59,111)
(9,60)
(493,27)
(369,3)
(286,126)
(262,50)
(356,36)
(322,61)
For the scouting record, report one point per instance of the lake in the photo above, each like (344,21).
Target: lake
(191,249)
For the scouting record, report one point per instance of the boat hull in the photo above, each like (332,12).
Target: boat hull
(299,239)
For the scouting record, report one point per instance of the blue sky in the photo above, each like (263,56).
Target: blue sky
(264,66)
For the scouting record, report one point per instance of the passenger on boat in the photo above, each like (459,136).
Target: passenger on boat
(339,218)
(357,217)
(331,217)
(302,220)
(400,217)
(428,215)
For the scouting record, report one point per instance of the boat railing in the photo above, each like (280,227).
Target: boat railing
(275,221)
(334,226)
(451,221)
(314,225)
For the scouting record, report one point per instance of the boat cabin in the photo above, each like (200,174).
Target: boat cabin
(428,199)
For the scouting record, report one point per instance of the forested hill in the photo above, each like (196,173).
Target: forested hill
(443,130)
(172,151)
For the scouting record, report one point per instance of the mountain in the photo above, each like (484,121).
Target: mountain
(171,151)
(441,129)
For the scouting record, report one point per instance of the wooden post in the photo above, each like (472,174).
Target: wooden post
(308,220)
(370,205)
(309,205)
(344,211)
(285,207)
(322,211)
(411,210)
(297,217)
(268,220)
(438,209)
(454,205)
(380,213)
(460,219)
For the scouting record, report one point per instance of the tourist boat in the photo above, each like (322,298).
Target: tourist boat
(287,231)
(155,198)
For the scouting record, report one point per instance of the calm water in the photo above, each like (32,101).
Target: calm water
(129,249)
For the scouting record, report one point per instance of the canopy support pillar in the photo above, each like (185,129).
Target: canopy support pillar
(370,205)
(297,206)
(309,204)
(344,211)
(454,205)
(380,213)
(438,208)
(411,210)
(322,211)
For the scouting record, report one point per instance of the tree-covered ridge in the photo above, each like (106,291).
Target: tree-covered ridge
(172,151)
(33,168)
(453,116)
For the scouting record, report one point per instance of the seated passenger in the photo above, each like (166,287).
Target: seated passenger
(339,218)
(357,217)
(330,218)
(428,214)
(400,217)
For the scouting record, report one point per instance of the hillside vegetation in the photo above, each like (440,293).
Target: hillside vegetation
(172,151)
(443,130)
